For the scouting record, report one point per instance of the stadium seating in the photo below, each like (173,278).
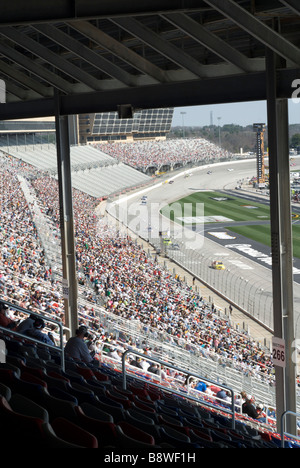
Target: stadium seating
(164,154)
(73,409)
(79,406)
(93,171)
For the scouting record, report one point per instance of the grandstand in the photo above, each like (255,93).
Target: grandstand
(93,171)
(79,406)
(111,168)
(104,181)
(92,58)
(27,132)
(161,156)
(116,321)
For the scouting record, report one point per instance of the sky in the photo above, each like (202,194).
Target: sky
(245,113)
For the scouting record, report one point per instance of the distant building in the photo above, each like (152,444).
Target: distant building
(26,132)
(151,124)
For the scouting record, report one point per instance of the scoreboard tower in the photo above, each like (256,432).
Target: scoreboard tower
(259,128)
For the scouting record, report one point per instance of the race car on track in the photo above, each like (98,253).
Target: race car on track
(217,265)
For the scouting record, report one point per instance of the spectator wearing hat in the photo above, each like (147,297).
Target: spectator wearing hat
(36,332)
(249,408)
(261,413)
(136,363)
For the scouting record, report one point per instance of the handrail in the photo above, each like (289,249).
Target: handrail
(190,374)
(283,433)
(60,326)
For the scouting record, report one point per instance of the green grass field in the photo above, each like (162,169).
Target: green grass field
(233,208)
(261,233)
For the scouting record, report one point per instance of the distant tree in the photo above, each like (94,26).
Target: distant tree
(232,128)
(295,140)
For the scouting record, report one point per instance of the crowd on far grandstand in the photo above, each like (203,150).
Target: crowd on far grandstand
(131,285)
(142,154)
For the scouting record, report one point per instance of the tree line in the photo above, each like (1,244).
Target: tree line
(232,137)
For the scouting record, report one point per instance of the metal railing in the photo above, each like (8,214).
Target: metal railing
(47,319)
(230,409)
(283,424)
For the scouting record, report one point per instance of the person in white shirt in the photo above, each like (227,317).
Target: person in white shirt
(145,365)
(209,391)
(115,354)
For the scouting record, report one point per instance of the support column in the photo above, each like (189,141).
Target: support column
(281,239)
(66,221)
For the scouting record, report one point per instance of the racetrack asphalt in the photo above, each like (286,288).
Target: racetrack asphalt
(252,262)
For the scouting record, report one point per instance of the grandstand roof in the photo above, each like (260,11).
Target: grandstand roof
(100,55)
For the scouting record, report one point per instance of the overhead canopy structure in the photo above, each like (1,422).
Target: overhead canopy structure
(67,57)
(100,55)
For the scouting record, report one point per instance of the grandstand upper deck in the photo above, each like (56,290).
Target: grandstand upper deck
(164,154)
(93,171)
(44,156)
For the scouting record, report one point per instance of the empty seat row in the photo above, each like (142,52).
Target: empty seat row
(108,416)
(63,403)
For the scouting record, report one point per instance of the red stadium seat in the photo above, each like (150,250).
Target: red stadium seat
(100,376)
(104,431)
(73,433)
(19,427)
(28,377)
(134,433)
(85,372)
(119,398)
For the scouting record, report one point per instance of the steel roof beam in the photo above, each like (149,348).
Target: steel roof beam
(292,4)
(244,87)
(115,47)
(162,46)
(257,29)
(50,57)
(37,11)
(209,40)
(16,91)
(24,80)
(85,53)
(41,72)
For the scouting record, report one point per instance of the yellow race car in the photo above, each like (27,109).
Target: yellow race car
(217,265)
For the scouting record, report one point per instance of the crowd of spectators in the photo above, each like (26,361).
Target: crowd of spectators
(23,269)
(131,285)
(142,154)
(134,287)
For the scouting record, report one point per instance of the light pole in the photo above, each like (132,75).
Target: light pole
(219,118)
(183,132)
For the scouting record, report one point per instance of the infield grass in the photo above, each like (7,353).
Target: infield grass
(218,204)
(262,234)
(235,208)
